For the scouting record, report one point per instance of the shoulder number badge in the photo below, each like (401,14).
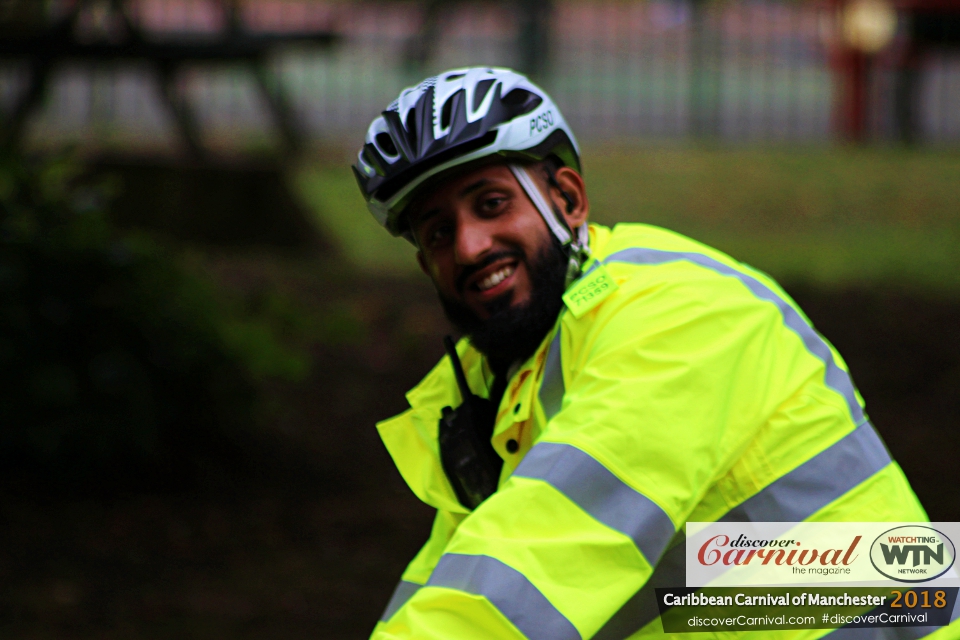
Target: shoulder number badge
(588,292)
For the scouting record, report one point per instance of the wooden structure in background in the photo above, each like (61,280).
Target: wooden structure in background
(645,69)
(115,37)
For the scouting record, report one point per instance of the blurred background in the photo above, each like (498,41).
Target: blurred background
(200,323)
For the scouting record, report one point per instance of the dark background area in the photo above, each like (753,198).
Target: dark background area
(308,542)
(200,324)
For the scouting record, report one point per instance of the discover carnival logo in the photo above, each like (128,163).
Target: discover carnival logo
(912,553)
(742,551)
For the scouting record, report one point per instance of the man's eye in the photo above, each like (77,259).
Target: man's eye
(438,235)
(492,203)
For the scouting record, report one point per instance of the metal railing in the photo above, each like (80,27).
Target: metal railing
(740,71)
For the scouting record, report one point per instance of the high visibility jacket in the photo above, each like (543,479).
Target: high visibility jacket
(677,385)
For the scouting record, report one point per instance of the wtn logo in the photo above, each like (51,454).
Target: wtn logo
(912,553)
(897,554)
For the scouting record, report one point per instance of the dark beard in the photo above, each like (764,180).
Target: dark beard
(513,333)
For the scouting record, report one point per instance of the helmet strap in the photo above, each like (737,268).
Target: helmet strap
(576,243)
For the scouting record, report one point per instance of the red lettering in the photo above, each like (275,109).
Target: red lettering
(770,554)
(732,557)
(853,545)
(703,553)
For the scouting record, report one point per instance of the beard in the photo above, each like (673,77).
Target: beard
(513,332)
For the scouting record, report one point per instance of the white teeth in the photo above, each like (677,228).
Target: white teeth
(494,278)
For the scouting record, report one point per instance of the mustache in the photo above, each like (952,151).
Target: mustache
(469,270)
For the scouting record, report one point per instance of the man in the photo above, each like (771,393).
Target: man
(615,384)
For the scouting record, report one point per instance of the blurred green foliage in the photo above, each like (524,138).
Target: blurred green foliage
(827,216)
(331,191)
(114,357)
(830,217)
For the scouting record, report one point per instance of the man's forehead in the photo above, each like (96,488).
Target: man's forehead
(458,183)
(455,182)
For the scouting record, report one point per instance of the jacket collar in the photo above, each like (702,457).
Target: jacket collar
(411,437)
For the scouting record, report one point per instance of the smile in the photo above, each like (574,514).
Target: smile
(495,278)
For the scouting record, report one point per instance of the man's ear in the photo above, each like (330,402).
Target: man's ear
(422,263)
(575,206)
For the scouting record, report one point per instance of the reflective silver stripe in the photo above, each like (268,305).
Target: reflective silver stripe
(603,495)
(796,496)
(835,377)
(642,608)
(508,590)
(793,497)
(552,389)
(880,633)
(401,594)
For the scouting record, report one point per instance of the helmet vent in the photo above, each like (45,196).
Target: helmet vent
(454,76)
(446,114)
(385,142)
(370,159)
(481,92)
(521,101)
(410,128)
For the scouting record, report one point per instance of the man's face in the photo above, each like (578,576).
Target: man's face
(499,271)
(478,232)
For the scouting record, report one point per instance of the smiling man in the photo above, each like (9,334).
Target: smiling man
(499,272)
(611,385)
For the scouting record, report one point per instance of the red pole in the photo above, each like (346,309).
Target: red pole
(853,96)
(850,72)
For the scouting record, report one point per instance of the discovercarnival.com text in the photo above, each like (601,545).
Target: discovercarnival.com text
(805,622)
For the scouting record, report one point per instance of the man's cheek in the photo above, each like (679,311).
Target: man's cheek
(435,272)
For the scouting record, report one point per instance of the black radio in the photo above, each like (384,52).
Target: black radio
(468,458)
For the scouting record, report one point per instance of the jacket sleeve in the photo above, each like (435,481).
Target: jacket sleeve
(670,382)
(418,571)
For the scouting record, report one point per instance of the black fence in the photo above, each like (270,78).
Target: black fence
(738,71)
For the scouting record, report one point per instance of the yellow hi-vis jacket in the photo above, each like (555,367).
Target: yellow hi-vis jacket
(678,385)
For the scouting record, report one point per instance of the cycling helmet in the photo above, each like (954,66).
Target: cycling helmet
(454,118)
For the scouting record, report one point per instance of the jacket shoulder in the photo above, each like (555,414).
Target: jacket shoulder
(670,289)
(644,259)
(627,236)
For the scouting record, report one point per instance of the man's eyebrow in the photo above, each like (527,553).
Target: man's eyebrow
(470,188)
(418,222)
(467,190)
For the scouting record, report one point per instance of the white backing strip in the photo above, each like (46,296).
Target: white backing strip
(536,197)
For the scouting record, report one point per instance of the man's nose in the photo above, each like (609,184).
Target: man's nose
(472,241)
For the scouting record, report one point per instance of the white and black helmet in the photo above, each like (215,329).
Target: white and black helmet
(454,118)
